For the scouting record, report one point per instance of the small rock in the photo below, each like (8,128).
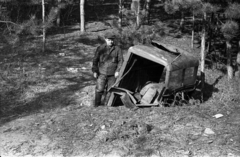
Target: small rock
(43,127)
(61,54)
(208,131)
(230,155)
(218,116)
(103,127)
(210,141)
(72,70)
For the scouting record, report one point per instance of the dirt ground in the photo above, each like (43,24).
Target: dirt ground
(52,115)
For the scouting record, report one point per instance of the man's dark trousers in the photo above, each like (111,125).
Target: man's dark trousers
(103,83)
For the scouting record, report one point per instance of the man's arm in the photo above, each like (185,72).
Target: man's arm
(96,60)
(120,60)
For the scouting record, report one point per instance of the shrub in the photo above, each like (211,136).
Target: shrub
(230,29)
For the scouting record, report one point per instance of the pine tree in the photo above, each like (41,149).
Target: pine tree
(230,29)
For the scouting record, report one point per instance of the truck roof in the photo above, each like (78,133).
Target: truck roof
(172,57)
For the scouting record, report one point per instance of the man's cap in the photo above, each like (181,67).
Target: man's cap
(109,35)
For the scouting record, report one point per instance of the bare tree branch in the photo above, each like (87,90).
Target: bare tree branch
(9,22)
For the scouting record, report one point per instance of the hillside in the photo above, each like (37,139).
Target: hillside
(46,110)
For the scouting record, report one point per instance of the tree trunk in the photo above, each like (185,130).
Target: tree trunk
(138,14)
(229,60)
(59,12)
(120,14)
(238,61)
(58,19)
(82,20)
(203,53)
(147,11)
(193,23)
(210,35)
(182,21)
(44,27)
(135,6)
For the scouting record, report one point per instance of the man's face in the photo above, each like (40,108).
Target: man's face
(109,42)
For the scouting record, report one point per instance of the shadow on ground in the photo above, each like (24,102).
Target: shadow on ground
(62,30)
(90,41)
(40,71)
(43,102)
(208,90)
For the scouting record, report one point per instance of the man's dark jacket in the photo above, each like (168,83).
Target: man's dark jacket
(107,60)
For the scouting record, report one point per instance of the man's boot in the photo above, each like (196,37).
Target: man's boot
(98,97)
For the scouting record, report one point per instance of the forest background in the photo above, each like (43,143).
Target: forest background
(46,84)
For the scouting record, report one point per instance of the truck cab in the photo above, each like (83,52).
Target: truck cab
(151,74)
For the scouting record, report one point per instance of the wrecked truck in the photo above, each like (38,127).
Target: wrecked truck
(157,74)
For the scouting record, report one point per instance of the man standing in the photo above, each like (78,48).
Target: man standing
(107,62)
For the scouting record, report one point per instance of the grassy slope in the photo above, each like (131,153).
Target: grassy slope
(43,112)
